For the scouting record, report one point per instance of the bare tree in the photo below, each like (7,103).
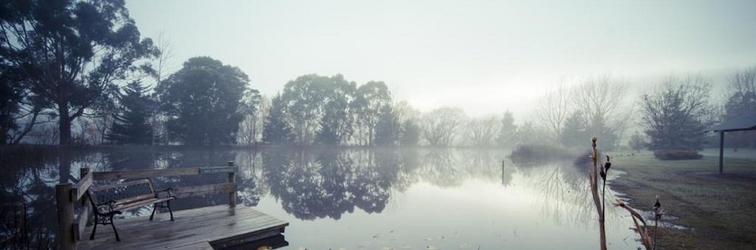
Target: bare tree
(481,132)
(740,100)
(254,114)
(162,68)
(440,126)
(163,62)
(553,109)
(599,97)
(625,119)
(742,81)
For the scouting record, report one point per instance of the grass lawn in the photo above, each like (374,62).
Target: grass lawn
(718,209)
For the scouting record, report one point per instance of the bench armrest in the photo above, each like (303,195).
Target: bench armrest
(167,191)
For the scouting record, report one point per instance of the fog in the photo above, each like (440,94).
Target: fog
(482,56)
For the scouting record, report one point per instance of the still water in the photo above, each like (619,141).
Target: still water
(360,198)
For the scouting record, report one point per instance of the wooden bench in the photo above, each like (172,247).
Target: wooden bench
(110,200)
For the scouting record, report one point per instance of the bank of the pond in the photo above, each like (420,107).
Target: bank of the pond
(719,210)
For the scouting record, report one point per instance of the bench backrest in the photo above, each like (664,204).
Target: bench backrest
(123,192)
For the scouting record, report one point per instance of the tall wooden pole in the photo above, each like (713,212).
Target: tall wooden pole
(232,179)
(721,151)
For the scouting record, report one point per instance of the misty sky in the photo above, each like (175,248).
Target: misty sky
(483,56)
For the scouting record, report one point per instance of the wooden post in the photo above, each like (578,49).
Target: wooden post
(232,194)
(721,151)
(65,204)
(85,199)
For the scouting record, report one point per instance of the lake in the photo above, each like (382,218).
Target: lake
(355,198)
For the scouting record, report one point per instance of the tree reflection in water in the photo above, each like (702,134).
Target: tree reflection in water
(318,184)
(26,190)
(312,183)
(564,194)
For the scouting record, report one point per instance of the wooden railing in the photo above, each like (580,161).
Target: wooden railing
(71,224)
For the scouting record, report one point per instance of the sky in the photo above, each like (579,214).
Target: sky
(483,56)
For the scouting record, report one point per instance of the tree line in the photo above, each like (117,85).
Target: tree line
(671,113)
(77,72)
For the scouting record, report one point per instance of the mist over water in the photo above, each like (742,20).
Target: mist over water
(371,198)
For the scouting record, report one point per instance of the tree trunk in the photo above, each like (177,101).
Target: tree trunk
(64,123)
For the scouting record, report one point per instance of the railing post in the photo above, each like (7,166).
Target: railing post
(84,199)
(232,194)
(65,204)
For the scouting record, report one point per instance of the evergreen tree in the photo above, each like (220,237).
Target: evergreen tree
(675,116)
(575,133)
(276,130)
(507,130)
(410,133)
(130,125)
(387,129)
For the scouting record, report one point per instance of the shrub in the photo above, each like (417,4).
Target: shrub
(676,154)
(583,159)
(538,153)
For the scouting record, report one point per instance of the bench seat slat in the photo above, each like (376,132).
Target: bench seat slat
(135,199)
(144,203)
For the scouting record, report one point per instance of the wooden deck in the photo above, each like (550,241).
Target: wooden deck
(203,228)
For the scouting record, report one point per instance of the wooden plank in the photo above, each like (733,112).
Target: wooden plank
(140,204)
(192,228)
(196,246)
(120,184)
(246,238)
(273,242)
(218,170)
(83,185)
(145,173)
(191,191)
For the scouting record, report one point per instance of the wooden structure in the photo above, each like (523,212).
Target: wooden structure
(113,199)
(740,123)
(200,228)
(203,228)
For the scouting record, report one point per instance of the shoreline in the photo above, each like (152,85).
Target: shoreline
(717,211)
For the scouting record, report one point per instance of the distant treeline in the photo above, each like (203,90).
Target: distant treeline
(77,72)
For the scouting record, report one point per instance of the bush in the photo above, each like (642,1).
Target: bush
(584,159)
(676,154)
(538,153)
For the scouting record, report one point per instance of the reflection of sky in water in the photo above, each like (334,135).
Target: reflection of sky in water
(475,213)
(372,199)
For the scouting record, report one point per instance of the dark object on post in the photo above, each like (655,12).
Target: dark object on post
(109,200)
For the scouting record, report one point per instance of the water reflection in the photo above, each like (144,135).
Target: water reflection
(312,184)
(319,184)
(322,183)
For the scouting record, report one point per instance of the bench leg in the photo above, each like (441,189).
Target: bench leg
(104,222)
(167,205)
(154,207)
(94,229)
(112,223)
(169,209)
